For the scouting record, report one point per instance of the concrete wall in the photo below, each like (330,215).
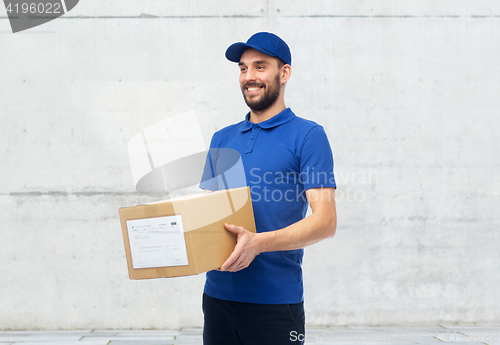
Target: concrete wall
(407,91)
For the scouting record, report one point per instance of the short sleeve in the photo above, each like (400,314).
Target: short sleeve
(316,160)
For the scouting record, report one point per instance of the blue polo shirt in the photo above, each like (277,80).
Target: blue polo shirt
(281,158)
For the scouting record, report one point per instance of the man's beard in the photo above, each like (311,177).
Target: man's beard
(266,100)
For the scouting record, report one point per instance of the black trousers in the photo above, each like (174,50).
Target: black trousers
(237,323)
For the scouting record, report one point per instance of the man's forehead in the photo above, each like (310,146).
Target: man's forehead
(253,55)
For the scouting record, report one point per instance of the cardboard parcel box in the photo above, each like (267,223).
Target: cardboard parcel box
(186,236)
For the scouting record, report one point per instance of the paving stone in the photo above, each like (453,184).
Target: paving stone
(387,335)
(88,340)
(132,335)
(144,337)
(55,342)
(143,342)
(147,332)
(189,339)
(322,336)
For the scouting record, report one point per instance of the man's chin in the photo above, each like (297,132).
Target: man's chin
(252,103)
(259,103)
(256,107)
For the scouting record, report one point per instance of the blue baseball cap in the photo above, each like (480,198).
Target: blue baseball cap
(266,43)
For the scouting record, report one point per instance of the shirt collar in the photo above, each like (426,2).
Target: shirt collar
(275,121)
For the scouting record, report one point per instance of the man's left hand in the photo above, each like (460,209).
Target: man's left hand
(246,249)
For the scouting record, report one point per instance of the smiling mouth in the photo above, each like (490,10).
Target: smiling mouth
(253,89)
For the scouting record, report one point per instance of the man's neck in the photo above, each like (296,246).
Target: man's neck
(266,114)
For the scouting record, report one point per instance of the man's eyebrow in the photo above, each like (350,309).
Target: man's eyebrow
(260,62)
(257,62)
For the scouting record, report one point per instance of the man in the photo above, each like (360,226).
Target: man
(256,297)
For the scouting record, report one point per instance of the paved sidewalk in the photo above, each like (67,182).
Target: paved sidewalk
(452,335)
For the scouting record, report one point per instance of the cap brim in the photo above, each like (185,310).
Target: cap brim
(234,52)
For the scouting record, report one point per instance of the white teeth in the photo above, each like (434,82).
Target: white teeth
(252,89)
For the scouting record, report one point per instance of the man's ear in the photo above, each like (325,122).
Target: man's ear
(286,73)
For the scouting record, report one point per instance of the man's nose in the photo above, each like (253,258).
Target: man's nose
(250,75)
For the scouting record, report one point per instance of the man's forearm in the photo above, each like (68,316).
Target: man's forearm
(305,232)
(320,225)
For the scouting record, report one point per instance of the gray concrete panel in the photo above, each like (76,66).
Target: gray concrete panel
(407,93)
